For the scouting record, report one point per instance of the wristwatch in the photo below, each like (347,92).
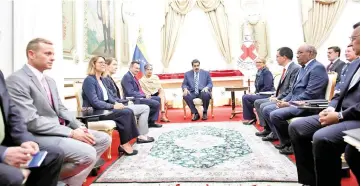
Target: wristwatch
(339,116)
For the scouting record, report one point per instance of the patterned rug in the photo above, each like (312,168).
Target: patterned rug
(205,152)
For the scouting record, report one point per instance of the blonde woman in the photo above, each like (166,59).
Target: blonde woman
(263,83)
(151,87)
(95,95)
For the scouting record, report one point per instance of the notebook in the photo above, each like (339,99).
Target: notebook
(36,160)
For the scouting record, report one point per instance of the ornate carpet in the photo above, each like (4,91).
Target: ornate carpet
(202,152)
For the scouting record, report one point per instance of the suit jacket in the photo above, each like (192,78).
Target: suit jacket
(204,80)
(337,67)
(16,132)
(92,94)
(312,84)
(130,87)
(348,100)
(31,99)
(284,87)
(264,81)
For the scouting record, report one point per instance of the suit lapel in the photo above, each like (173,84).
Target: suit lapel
(54,94)
(307,69)
(35,81)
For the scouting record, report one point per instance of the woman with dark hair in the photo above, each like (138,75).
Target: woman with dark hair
(151,86)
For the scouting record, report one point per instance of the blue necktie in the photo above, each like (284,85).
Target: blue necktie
(196,89)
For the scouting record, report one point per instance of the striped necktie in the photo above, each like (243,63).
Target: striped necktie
(196,88)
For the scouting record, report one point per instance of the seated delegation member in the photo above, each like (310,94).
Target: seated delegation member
(151,86)
(290,70)
(318,140)
(37,98)
(15,145)
(131,88)
(141,111)
(95,95)
(263,83)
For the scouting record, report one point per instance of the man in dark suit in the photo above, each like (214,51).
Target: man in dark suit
(16,143)
(289,73)
(336,64)
(350,56)
(318,140)
(310,83)
(132,88)
(197,83)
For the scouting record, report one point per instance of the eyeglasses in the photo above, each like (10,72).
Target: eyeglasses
(353,38)
(149,69)
(101,62)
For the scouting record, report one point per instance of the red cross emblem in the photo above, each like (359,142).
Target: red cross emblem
(248,52)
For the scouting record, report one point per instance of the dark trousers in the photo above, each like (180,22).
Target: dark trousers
(259,105)
(277,120)
(126,124)
(247,102)
(318,150)
(204,96)
(352,156)
(46,174)
(154,105)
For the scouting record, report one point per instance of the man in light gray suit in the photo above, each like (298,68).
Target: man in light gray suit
(289,73)
(37,98)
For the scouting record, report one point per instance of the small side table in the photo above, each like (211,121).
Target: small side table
(232,90)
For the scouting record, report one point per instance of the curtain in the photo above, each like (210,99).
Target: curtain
(319,18)
(216,12)
(174,17)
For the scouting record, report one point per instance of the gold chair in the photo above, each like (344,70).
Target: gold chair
(198,103)
(106,126)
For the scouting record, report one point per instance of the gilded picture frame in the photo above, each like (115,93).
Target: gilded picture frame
(68,29)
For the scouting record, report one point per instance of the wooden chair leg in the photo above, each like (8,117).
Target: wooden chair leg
(110,133)
(212,108)
(184,109)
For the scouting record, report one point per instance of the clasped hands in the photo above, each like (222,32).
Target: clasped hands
(83,135)
(186,91)
(328,116)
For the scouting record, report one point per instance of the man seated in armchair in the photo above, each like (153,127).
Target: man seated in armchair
(197,83)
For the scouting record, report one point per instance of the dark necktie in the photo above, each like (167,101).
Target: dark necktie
(283,74)
(302,72)
(329,66)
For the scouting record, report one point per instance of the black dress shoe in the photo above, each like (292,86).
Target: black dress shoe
(269,137)
(288,150)
(263,133)
(121,150)
(251,122)
(196,117)
(281,146)
(154,125)
(204,117)
(148,140)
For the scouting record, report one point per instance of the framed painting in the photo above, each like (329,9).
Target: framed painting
(99,28)
(68,18)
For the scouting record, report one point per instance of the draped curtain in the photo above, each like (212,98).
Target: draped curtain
(319,18)
(217,15)
(174,17)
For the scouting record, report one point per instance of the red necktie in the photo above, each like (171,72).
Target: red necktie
(139,87)
(283,74)
(50,97)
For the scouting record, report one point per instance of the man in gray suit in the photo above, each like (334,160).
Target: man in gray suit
(289,73)
(336,64)
(37,98)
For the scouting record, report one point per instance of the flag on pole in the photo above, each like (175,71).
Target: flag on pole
(140,55)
